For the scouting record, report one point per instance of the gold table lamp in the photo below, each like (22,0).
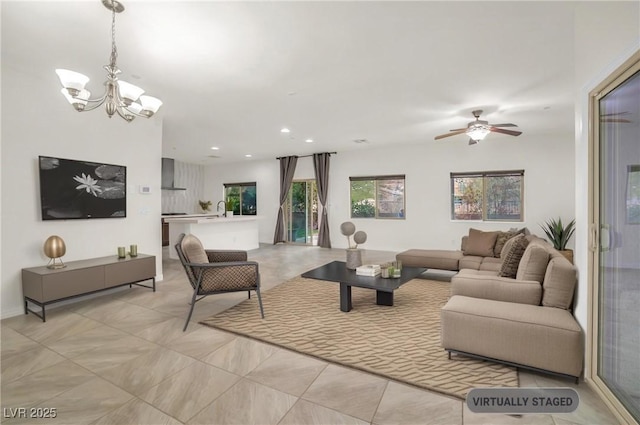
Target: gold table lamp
(55,248)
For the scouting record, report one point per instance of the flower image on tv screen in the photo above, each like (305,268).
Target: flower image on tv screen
(71,189)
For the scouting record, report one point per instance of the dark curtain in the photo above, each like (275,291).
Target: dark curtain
(287,168)
(321,167)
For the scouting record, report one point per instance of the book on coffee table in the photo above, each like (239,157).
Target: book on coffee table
(368,270)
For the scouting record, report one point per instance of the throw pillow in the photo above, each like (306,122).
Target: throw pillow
(512,258)
(193,250)
(533,264)
(480,243)
(507,245)
(501,239)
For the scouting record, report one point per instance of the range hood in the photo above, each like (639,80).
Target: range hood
(168,172)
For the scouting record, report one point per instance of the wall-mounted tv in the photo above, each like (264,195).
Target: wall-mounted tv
(71,189)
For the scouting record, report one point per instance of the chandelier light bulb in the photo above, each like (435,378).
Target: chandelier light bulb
(119,97)
(72,81)
(150,105)
(129,92)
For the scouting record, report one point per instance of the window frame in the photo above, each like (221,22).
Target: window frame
(484,175)
(375,180)
(241,185)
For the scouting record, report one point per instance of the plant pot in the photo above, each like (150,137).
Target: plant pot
(354,258)
(229,213)
(568,254)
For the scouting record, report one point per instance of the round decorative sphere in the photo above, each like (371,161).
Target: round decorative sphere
(347,228)
(54,247)
(360,237)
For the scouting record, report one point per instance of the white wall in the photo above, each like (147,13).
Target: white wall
(41,122)
(266,174)
(606,34)
(190,177)
(549,187)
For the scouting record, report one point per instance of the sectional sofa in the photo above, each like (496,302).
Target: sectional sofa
(515,308)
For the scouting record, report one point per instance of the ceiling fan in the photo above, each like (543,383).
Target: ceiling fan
(478,129)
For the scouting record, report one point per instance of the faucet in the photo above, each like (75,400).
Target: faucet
(224,208)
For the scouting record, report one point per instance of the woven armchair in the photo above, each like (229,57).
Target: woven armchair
(216,271)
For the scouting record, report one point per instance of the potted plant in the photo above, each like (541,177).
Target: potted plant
(559,235)
(205,205)
(354,255)
(231,206)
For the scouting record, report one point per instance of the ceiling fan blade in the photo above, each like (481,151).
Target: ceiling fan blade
(614,120)
(442,136)
(503,131)
(458,129)
(503,125)
(615,113)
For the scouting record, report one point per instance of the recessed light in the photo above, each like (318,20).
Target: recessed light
(215,148)
(309,141)
(248,155)
(285,130)
(360,141)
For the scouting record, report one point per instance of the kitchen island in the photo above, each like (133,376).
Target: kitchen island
(237,232)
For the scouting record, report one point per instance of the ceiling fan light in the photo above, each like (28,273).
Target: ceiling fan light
(478,132)
(72,81)
(129,92)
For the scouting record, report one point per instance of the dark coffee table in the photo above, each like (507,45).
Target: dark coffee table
(338,272)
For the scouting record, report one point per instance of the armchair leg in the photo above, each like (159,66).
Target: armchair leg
(193,304)
(260,302)
(248,295)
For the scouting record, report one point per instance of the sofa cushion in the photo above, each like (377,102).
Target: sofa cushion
(487,285)
(533,264)
(559,283)
(193,250)
(430,258)
(470,262)
(480,243)
(492,264)
(535,336)
(512,256)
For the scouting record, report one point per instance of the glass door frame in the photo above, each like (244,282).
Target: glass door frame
(311,198)
(626,70)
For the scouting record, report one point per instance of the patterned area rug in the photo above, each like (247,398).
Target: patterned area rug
(400,342)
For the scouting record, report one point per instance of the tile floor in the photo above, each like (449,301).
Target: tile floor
(122,358)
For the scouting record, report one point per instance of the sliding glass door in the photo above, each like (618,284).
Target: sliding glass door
(302,213)
(616,241)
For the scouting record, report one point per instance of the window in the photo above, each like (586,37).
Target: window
(489,196)
(241,198)
(377,197)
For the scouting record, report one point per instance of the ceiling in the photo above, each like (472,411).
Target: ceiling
(232,74)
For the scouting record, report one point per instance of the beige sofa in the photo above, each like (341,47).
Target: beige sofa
(479,251)
(524,321)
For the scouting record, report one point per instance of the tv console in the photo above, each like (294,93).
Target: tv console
(43,286)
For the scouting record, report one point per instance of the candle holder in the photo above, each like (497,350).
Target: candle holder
(133,250)
(122,252)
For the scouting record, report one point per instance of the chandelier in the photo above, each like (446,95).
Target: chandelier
(125,99)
